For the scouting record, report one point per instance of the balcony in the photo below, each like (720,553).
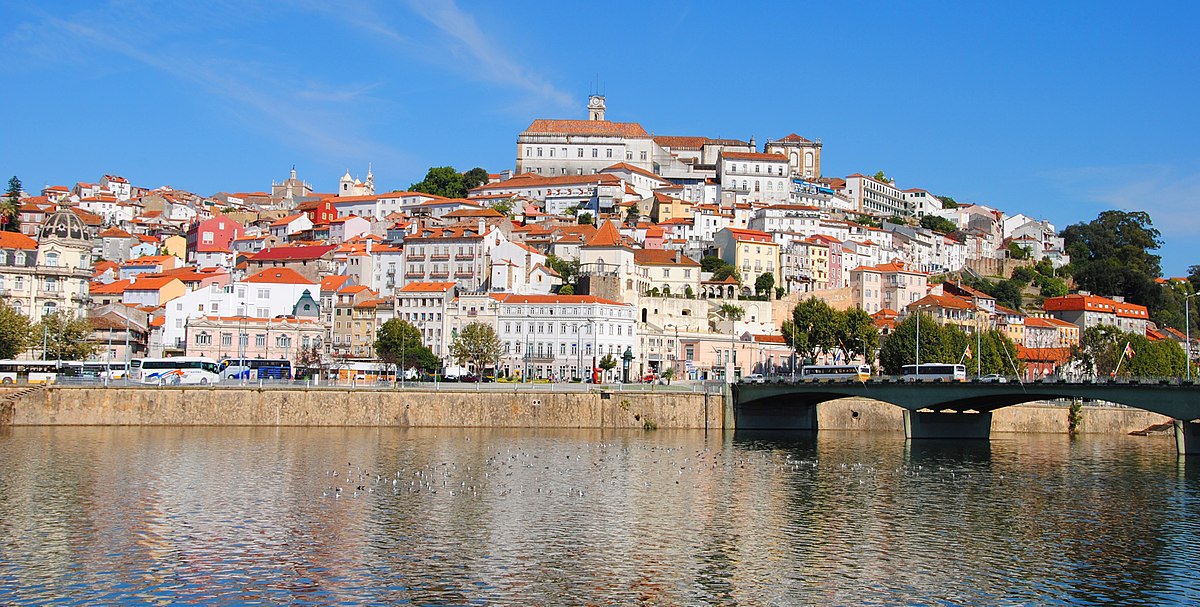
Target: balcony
(464,274)
(464,257)
(440,257)
(416,258)
(414,275)
(439,274)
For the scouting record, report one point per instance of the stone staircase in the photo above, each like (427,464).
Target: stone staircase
(8,402)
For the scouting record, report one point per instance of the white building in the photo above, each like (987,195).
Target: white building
(750,176)
(582,147)
(874,197)
(563,336)
(267,294)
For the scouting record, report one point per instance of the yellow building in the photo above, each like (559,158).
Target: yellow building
(752,252)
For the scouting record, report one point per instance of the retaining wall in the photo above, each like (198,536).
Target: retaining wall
(195,406)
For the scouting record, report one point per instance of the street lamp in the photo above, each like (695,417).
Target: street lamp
(1187,336)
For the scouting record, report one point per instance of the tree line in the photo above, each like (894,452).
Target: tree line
(65,337)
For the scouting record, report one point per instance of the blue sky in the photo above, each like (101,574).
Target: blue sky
(1059,110)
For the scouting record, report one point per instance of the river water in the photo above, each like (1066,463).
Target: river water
(257,516)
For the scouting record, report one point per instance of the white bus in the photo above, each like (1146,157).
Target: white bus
(854,372)
(174,371)
(28,371)
(934,371)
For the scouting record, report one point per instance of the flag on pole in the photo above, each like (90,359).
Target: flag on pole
(1128,350)
(968,352)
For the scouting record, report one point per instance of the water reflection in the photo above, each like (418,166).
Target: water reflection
(319,516)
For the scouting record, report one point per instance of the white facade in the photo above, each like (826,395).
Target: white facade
(874,197)
(562,336)
(251,297)
(750,176)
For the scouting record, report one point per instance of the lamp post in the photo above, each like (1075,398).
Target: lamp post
(1187,333)
(918,363)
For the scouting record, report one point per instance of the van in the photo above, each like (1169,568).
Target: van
(754,378)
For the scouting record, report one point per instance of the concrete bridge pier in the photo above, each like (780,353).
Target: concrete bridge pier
(930,424)
(1187,436)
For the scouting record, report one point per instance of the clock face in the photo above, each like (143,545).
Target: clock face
(595,102)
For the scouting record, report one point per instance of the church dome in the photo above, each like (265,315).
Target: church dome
(64,225)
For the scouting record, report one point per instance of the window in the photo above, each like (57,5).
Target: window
(595,153)
(539,152)
(203,338)
(609,152)
(529,151)
(227,339)
(49,308)
(580,152)
(52,259)
(260,339)
(643,155)
(206,237)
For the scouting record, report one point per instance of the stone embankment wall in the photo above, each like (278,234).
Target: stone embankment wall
(337,407)
(484,409)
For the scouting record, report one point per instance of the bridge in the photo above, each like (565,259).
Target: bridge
(958,409)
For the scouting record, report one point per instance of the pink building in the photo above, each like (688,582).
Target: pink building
(250,337)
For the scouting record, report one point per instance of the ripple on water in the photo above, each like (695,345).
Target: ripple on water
(380,516)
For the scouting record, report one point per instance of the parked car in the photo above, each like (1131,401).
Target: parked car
(754,378)
(994,378)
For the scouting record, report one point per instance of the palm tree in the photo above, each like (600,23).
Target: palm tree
(731,312)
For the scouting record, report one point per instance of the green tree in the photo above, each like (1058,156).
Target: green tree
(726,271)
(765,283)
(938,224)
(711,263)
(66,337)
(441,181)
(475,178)
(567,270)
(15,331)
(504,207)
(1111,255)
(948,202)
(867,220)
(1101,351)
(857,334)
(608,363)
(566,290)
(813,328)
(730,311)
(586,219)
(900,348)
(1016,251)
(632,214)
(668,374)
(881,176)
(398,343)
(478,344)
(10,207)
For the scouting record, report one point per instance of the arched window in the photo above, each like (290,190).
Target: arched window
(52,259)
(48,308)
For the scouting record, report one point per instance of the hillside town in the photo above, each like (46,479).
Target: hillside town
(678,255)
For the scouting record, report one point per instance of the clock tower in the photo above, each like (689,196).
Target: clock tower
(596,107)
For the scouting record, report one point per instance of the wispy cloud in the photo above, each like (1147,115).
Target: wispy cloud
(462,45)
(310,116)
(1168,193)
(491,58)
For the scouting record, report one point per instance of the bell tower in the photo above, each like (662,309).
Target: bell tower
(596,107)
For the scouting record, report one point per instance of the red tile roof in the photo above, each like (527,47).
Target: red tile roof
(427,287)
(662,257)
(280,276)
(292,253)
(629,130)
(16,240)
(754,156)
(559,299)
(606,236)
